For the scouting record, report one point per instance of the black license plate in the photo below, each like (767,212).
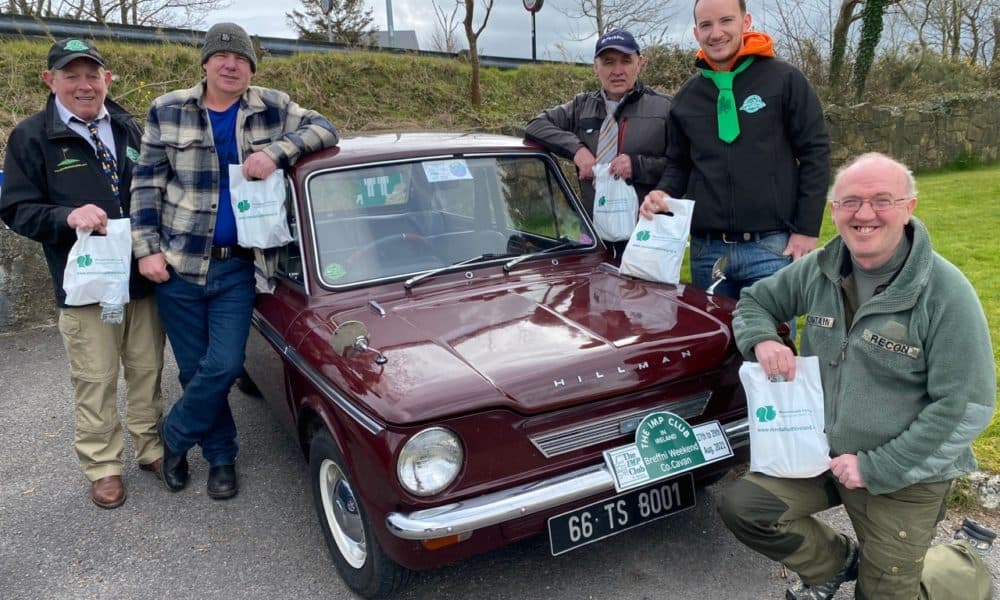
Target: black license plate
(605,518)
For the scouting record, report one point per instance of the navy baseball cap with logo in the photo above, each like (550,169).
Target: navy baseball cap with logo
(66,51)
(616,39)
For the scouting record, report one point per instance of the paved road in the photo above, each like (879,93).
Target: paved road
(266,543)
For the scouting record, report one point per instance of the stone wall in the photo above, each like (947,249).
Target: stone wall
(925,136)
(26,298)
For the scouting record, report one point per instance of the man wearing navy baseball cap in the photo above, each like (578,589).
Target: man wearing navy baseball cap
(623,125)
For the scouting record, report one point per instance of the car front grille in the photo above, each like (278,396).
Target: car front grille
(562,441)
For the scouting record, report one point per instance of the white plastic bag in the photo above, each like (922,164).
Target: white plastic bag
(656,250)
(786,421)
(615,206)
(259,208)
(98,266)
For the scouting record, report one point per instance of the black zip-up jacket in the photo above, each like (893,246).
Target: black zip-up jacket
(774,176)
(49,170)
(642,133)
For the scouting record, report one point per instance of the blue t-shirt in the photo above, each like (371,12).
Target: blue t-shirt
(224,132)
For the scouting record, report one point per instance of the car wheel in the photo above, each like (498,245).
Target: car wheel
(346,527)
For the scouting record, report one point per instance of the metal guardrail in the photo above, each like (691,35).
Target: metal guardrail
(33,27)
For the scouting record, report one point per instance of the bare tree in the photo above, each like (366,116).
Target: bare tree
(954,29)
(647,20)
(845,17)
(801,32)
(159,13)
(445,38)
(995,55)
(472,34)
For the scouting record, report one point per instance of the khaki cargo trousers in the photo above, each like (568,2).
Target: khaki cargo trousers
(95,350)
(775,517)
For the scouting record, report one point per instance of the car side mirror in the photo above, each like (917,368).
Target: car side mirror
(352,336)
(718,274)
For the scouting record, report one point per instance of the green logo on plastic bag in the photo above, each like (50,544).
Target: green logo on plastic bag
(84,261)
(766,413)
(244,205)
(642,236)
(602,201)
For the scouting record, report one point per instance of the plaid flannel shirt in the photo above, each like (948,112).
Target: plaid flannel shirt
(175,184)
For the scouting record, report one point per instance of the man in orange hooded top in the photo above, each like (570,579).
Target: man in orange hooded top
(748,143)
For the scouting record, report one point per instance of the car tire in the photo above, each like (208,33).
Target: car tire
(355,551)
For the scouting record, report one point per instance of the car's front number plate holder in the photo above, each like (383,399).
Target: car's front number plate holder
(599,520)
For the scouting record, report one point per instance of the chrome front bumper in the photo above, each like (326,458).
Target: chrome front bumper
(520,501)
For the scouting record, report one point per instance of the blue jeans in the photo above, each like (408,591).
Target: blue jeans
(748,261)
(207,327)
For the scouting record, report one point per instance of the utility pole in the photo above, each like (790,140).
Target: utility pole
(326,6)
(390,30)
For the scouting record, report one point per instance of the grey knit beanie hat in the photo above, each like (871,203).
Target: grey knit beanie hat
(228,37)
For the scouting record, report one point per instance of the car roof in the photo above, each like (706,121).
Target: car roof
(395,146)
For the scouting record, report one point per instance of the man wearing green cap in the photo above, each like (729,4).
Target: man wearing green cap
(184,234)
(748,143)
(68,168)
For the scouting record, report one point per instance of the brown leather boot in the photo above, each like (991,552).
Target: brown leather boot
(108,492)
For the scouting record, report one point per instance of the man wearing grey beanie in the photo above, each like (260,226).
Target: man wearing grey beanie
(184,235)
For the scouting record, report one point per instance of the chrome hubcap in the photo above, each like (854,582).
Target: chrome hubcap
(343,516)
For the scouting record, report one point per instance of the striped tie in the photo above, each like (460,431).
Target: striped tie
(108,164)
(607,139)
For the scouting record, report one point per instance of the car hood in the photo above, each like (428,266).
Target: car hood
(531,346)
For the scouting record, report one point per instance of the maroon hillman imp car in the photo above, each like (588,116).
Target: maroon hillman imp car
(454,354)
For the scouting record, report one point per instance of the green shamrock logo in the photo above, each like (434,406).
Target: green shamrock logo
(602,201)
(642,236)
(84,261)
(76,46)
(244,205)
(766,413)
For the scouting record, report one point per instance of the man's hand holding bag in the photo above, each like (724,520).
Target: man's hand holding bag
(98,268)
(656,250)
(259,208)
(787,437)
(616,206)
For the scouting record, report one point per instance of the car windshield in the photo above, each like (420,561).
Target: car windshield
(393,220)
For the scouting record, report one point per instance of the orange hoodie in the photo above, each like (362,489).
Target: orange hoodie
(754,44)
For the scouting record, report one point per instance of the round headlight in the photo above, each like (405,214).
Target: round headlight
(430,461)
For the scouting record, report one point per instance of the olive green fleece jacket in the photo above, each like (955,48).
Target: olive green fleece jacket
(910,383)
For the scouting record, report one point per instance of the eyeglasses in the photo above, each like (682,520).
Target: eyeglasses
(852,204)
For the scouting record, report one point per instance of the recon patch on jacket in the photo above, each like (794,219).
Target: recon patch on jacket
(885,343)
(820,321)
(752,104)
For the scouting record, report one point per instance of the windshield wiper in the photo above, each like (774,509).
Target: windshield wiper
(417,278)
(566,243)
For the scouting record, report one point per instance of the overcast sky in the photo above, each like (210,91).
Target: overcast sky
(508,32)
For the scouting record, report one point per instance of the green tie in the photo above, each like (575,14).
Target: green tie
(729,122)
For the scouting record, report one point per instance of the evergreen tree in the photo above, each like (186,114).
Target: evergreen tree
(349,22)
